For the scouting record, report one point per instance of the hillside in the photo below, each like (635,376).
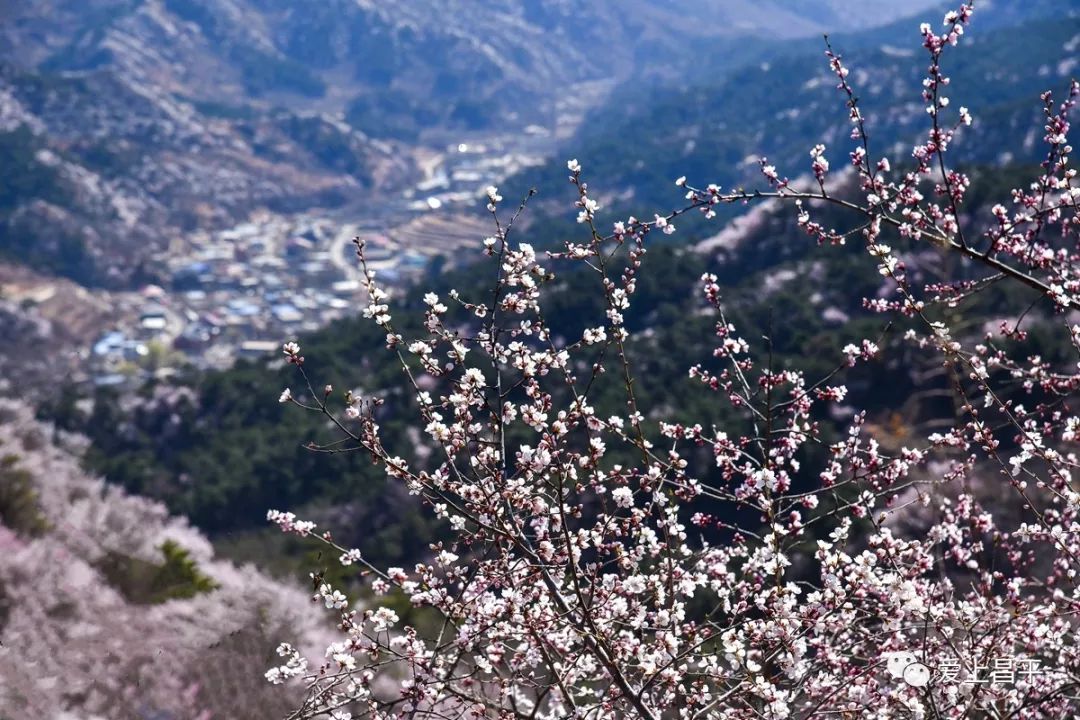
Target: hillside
(137,124)
(95,583)
(485,56)
(781,106)
(37,312)
(112,175)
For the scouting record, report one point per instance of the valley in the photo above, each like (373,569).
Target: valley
(240,291)
(201,167)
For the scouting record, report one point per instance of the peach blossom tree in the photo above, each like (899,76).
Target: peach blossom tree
(935,580)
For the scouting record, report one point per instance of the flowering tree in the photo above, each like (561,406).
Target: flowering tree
(79,635)
(936,580)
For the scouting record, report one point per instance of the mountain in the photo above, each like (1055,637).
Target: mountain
(715,129)
(111,172)
(136,123)
(463,52)
(138,130)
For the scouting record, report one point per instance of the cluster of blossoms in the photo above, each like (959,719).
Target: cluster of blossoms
(581,584)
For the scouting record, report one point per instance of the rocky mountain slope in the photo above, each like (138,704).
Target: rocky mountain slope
(111,172)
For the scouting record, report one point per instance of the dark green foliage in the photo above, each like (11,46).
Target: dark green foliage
(330,146)
(264,73)
(147,583)
(24,177)
(260,71)
(392,113)
(237,453)
(111,159)
(19,509)
(53,250)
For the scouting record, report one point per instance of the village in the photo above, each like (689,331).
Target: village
(238,292)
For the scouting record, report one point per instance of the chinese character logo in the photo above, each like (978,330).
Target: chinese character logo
(907,666)
(904,665)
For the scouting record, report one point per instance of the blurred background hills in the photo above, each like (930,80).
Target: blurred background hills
(136,124)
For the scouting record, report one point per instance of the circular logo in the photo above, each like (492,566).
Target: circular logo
(917,675)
